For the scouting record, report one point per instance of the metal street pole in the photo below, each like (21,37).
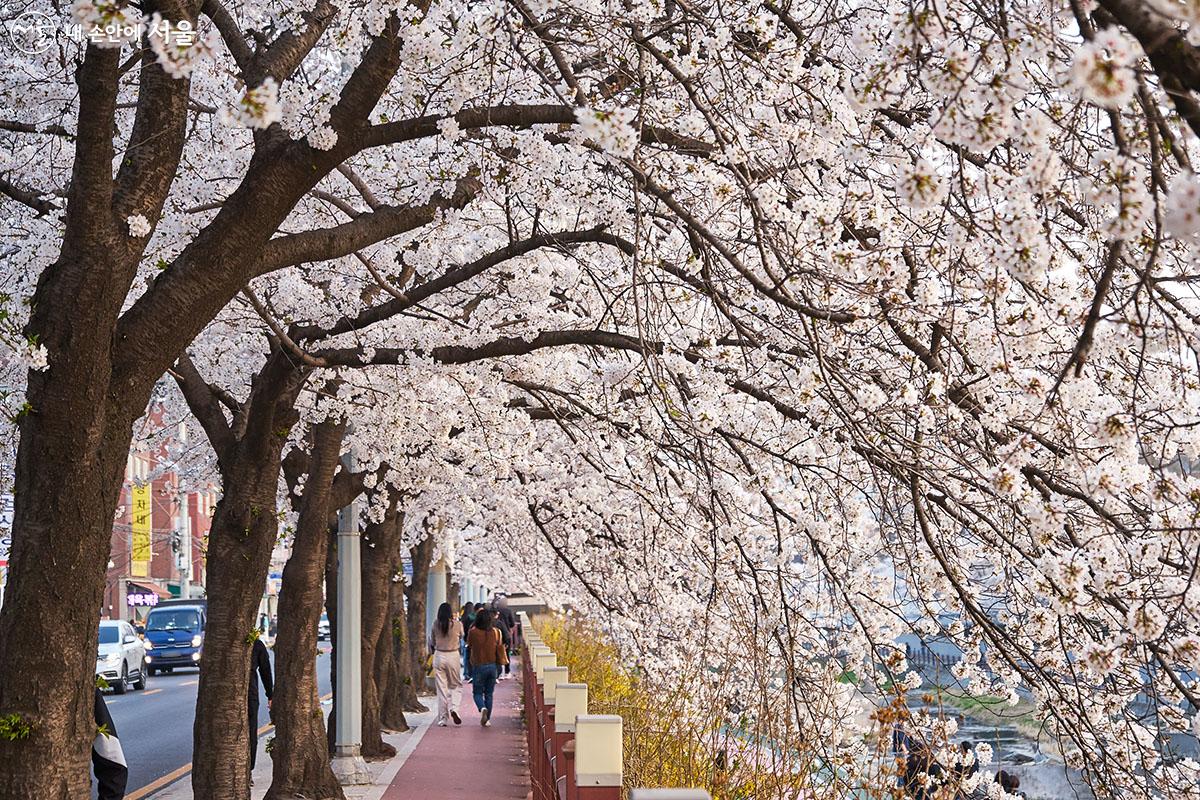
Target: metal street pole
(184,559)
(185,583)
(348,764)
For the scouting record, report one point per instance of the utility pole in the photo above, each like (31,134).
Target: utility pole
(348,764)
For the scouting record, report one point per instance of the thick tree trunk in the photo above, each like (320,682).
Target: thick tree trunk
(75,431)
(380,556)
(401,696)
(331,609)
(239,552)
(68,477)
(415,592)
(300,754)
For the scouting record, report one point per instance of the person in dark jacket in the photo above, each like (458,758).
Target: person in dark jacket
(108,760)
(506,637)
(510,620)
(467,618)
(260,666)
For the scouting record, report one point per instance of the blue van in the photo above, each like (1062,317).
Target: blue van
(174,637)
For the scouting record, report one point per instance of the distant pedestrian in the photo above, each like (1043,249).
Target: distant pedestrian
(487,657)
(108,760)
(922,773)
(467,618)
(505,638)
(511,624)
(1010,783)
(260,667)
(444,640)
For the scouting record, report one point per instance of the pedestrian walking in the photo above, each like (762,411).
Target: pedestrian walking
(505,638)
(444,639)
(260,667)
(467,618)
(487,657)
(108,760)
(508,624)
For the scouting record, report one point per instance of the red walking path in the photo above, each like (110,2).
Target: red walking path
(463,762)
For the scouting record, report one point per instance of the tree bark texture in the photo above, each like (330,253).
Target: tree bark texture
(300,753)
(75,432)
(415,592)
(331,609)
(240,541)
(402,692)
(380,558)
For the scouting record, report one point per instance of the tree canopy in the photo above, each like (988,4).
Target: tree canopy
(837,320)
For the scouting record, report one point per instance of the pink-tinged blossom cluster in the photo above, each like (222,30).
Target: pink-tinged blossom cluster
(1103,69)
(610,129)
(258,107)
(1183,206)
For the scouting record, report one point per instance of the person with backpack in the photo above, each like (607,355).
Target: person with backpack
(488,656)
(443,641)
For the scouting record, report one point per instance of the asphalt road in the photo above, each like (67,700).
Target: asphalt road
(155,725)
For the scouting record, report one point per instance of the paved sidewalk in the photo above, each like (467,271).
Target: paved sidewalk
(382,771)
(470,761)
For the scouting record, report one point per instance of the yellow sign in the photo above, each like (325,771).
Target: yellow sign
(140,551)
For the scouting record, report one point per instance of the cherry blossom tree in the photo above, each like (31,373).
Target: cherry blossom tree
(895,306)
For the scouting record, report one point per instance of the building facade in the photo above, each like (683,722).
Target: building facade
(158,539)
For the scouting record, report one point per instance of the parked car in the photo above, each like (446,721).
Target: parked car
(121,657)
(323,628)
(175,637)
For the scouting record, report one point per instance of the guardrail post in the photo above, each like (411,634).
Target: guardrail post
(533,646)
(599,755)
(551,678)
(571,701)
(567,790)
(537,754)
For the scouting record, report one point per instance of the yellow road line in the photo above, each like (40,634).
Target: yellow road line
(171,777)
(150,691)
(154,786)
(189,683)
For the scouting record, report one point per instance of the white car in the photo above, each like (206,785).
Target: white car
(323,628)
(121,659)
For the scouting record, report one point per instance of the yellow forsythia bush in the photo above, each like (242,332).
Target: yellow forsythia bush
(676,733)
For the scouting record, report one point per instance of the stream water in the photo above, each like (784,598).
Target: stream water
(1042,777)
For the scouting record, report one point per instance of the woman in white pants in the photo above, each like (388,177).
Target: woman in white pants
(447,669)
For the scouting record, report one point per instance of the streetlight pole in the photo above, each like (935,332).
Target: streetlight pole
(183,559)
(348,764)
